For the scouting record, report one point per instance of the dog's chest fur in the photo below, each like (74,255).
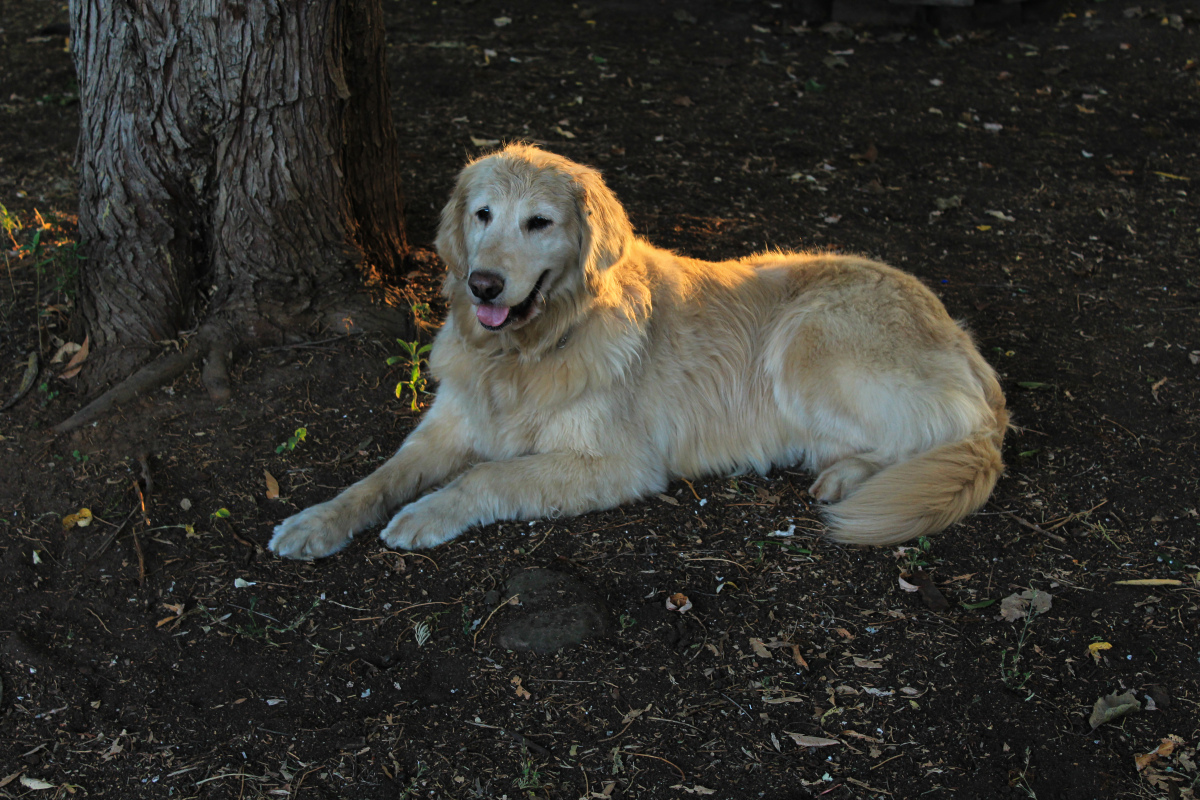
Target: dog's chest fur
(564,400)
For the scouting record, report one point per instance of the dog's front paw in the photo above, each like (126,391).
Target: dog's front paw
(417,528)
(313,533)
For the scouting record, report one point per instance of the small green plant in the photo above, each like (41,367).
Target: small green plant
(417,383)
(1021,779)
(412,783)
(63,262)
(48,394)
(917,556)
(531,777)
(262,630)
(10,225)
(293,441)
(422,631)
(627,621)
(80,457)
(421,312)
(1011,674)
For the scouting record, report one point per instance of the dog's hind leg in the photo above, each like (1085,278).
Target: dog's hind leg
(528,487)
(842,477)
(435,451)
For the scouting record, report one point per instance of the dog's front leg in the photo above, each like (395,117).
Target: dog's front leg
(435,451)
(528,487)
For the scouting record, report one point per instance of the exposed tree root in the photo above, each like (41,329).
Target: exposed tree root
(153,374)
(216,342)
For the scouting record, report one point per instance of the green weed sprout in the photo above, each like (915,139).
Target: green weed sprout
(293,441)
(414,356)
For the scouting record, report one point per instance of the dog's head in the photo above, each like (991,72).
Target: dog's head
(525,230)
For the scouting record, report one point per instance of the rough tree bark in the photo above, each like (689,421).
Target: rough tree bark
(238,176)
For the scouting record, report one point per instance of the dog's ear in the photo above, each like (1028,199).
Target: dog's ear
(606,232)
(451,237)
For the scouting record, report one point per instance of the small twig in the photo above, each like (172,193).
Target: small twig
(693,488)
(674,722)
(295,792)
(112,537)
(97,616)
(421,605)
(682,776)
(1035,527)
(1136,439)
(475,639)
(518,738)
(147,479)
(302,345)
(617,735)
(1074,516)
(542,542)
(735,702)
(714,558)
(414,555)
(886,760)
(137,545)
(141,496)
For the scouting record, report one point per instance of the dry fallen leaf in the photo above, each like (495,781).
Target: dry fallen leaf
(1095,647)
(272,486)
(864,663)
(67,349)
(1112,707)
(76,362)
(1163,750)
(679,602)
(635,713)
(81,518)
(522,692)
(759,648)
(36,784)
(799,659)
(811,741)
(1030,601)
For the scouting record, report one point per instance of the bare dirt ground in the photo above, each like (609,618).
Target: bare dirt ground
(1042,178)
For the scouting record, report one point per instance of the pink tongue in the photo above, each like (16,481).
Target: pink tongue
(491,316)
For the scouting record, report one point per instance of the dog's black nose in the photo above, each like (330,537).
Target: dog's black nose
(486,285)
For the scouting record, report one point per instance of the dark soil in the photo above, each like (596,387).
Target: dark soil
(1042,178)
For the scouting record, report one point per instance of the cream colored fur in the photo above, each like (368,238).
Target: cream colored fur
(637,366)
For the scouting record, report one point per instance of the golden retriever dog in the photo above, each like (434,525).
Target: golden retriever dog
(580,367)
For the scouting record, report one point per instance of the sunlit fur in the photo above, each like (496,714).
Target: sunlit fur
(642,366)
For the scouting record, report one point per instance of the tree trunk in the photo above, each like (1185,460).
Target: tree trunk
(238,175)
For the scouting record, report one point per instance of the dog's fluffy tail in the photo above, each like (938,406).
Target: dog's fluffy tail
(924,494)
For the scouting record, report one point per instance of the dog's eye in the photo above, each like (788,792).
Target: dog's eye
(538,222)
(484,214)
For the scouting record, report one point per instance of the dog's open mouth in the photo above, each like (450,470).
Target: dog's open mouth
(494,317)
